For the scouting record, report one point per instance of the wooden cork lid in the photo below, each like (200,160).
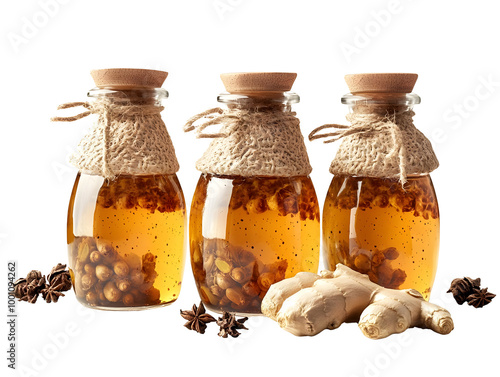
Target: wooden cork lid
(381,82)
(255,82)
(127,78)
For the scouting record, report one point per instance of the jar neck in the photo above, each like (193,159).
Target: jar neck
(259,101)
(132,96)
(380,103)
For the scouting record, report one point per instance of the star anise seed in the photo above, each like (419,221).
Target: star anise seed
(197,319)
(462,288)
(480,298)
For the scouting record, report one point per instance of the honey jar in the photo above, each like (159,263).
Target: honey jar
(381,214)
(127,216)
(254,217)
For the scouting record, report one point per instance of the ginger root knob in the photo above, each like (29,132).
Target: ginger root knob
(308,303)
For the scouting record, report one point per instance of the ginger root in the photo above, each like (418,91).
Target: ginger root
(308,303)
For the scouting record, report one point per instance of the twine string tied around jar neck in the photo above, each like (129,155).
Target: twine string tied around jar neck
(252,141)
(104,107)
(373,125)
(232,118)
(129,114)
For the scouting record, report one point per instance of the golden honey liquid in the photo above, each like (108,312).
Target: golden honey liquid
(268,227)
(375,227)
(143,219)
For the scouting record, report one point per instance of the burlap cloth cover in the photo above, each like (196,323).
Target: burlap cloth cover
(267,142)
(380,143)
(125,139)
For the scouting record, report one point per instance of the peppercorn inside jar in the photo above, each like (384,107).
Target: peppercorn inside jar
(381,214)
(126,233)
(250,228)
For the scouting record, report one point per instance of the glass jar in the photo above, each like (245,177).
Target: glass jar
(126,235)
(378,226)
(247,233)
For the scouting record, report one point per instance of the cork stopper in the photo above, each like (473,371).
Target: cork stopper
(258,82)
(381,82)
(128,78)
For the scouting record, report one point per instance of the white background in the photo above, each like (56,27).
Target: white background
(452,45)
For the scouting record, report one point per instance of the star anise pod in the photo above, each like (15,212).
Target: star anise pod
(480,298)
(59,276)
(52,293)
(229,325)
(462,288)
(197,319)
(29,288)
(34,288)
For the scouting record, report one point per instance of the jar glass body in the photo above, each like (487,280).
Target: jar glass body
(247,233)
(126,240)
(378,227)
